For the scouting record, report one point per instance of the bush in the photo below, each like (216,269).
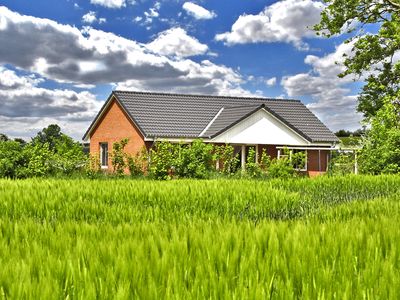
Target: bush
(161,160)
(118,157)
(138,163)
(228,162)
(12,159)
(194,160)
(281,168)
(253,168)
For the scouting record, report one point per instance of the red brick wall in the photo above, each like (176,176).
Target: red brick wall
(312,161)
(114,126)
(271,150)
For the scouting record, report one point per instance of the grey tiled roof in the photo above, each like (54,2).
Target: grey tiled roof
(227,117)
(186,116)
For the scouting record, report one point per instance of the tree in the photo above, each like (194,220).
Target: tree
(381,150)
(3,137)
(373,54)
(50,135)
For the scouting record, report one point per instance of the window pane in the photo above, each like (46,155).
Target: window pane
(104,154)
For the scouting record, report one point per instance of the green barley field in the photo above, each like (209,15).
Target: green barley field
(318,238)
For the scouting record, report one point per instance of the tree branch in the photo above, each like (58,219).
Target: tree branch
(393,3)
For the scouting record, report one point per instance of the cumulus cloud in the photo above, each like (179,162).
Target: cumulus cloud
(152,13)
(89,56)
(271,81)
(197,11)
(91,17)
(25,104)
(110,3)
(333,101)
(287,21)
(177,42)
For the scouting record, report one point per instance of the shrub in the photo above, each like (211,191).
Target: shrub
(118,156)
(194,160)
(13,159)
(281,168)
(138,163)
(161,160)
(228,161)
(253,169)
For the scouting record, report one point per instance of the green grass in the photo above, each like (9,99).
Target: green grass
(234,239)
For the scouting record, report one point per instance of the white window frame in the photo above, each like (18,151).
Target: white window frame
(101,155)
(290,157)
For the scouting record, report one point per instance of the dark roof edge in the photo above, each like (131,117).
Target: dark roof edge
(263,106)
(238,121)
(105,105)
(204,95)
(130,116)
(84,138)
(299,132)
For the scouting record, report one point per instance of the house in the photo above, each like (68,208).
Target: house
(271,124)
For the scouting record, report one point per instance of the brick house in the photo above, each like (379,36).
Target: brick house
(271,124)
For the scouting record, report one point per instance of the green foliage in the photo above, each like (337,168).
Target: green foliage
(119,157)
(253,169)
(228,162)
(281,168)
(49,153)
(138,163)
(265,160)
(68,156)
(12,159)
(298,160)
(194,160)
(162,158)
(50,135)
(342,163)
(40,159)
(337,237)
(372,52)
(381,147)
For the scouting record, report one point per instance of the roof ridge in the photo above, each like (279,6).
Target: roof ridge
(204,95)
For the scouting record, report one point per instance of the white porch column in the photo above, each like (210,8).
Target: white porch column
(256,153)
(243,157)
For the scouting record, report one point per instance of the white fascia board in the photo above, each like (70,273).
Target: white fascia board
(211,122)
(261,127)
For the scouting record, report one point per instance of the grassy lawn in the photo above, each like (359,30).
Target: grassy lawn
(321,238)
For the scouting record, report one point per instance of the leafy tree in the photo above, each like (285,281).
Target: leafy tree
(381,150)
(3,137)
(49,135)
(13,159)
(373,53)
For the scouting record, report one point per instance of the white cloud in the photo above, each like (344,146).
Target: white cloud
(287,21)
(91,17)
(176,42)
(333,100)
(88,57)
(24,105)
(197,11)
(110,3)
(152,13)
(271,81)
(137,19)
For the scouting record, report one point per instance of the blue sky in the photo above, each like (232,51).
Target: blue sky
(59,60)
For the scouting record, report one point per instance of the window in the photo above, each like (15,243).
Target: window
(104,155)
(297,157)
